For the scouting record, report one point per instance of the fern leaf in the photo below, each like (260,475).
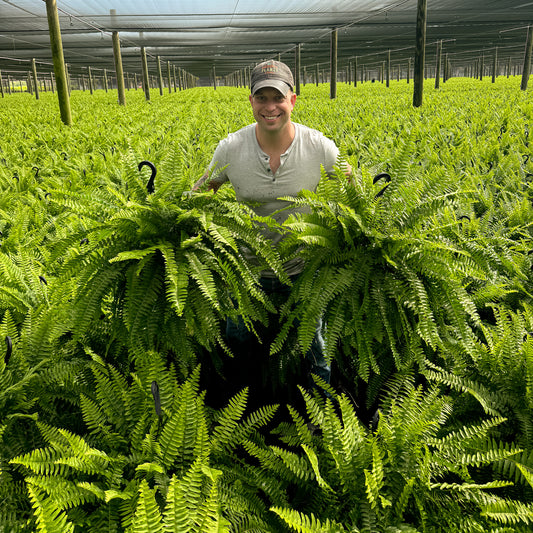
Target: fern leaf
(147,517)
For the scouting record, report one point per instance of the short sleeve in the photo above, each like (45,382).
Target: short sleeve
(217,167)
(331,154)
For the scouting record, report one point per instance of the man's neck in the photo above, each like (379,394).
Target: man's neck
(276,141)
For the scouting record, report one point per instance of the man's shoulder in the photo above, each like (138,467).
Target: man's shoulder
(310,133)
(239,136)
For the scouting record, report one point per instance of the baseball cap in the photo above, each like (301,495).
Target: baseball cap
(272,74)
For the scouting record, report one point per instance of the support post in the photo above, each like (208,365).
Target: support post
(59,62)
(146,81)
(118,69)
(333,64)
(495,65)
(1,85)
(35,80)
(159,75)
(388,68)
(420,46)
(297,68)
(91,83)
(214,78)
(527,60)
(437,68)
(169,78)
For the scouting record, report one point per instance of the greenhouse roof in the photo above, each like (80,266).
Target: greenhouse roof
(233,34)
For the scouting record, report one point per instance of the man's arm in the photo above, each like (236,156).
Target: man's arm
(211,186)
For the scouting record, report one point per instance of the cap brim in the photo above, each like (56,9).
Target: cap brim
(281,86)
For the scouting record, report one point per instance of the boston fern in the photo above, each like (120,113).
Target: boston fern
(382,269)
(152,458)
(162,267)
(408,473)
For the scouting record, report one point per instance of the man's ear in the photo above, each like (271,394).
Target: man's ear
(251,97)
(293,99)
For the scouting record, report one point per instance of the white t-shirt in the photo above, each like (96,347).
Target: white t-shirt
(247,168)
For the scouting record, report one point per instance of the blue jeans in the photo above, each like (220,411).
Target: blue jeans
(250,359)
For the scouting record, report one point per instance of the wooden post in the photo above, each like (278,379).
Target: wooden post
(437,68)
(495,65)
(146,81)
(420,46)
(59,62)
(527,60)
(105,80)
(214,78)
(388,68)
(1,85)
(159,75)
(118,69)
(91,83)
(333,65)
(169,78)
(355,72)
(297,68)
(408,70)
(316,74)
(34,76)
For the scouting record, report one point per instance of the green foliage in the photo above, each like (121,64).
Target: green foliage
(110,296)
(400,476)
(161,267)
(138,469)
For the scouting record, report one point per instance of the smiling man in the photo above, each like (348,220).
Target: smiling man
(272,158)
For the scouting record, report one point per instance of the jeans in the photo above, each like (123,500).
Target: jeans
(254,365)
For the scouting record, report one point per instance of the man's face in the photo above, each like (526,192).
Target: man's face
(271,109)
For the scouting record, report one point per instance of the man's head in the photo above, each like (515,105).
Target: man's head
(272,74)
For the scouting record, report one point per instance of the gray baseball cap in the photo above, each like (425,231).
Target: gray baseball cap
(272,74)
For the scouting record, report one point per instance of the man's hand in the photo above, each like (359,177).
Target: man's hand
(211,186)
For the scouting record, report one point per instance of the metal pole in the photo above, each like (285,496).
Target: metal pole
(420,45)
(333,65)
(527,59)
(59,62)
(118,69)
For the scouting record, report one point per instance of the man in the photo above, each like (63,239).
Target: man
(272,158)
